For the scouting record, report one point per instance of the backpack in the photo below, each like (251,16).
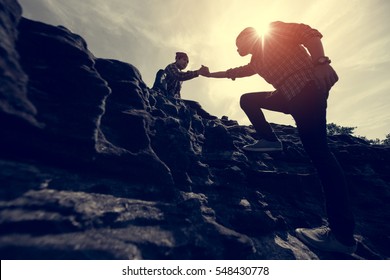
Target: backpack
(160,83)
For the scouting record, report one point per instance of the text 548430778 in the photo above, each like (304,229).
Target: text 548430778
(252,270)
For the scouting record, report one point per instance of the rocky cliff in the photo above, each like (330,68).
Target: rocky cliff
(96,165)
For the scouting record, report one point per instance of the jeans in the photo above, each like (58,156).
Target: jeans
(309,112)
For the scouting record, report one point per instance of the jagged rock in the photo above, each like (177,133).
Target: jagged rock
(56,61)
(16,110)
(96,165)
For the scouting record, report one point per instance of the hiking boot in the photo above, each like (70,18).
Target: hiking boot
(322,238)
(264,146)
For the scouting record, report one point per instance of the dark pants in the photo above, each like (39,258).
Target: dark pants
(309,112)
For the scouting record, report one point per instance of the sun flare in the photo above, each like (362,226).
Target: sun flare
(262,29)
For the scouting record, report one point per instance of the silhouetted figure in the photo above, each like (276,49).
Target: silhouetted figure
(175,76)
(291,58)
(169,82)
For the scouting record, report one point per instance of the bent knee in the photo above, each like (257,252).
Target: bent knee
(244,101)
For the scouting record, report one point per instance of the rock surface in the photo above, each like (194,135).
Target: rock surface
(96,165)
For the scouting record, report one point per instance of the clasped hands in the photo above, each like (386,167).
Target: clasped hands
(204,71)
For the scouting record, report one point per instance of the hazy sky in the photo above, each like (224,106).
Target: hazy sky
(147,33)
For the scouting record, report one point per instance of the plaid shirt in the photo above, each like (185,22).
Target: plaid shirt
(175,78)
(281,59)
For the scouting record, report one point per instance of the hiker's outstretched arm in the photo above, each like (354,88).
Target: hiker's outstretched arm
(179,75)
(233,73)
(220,74)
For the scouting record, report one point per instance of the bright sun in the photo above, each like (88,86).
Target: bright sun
(262,28)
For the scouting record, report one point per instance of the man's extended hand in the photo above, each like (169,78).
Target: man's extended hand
(204,71)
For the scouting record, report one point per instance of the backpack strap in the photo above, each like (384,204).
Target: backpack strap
(160,82)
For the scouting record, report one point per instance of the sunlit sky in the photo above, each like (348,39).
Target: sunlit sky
(147,33)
